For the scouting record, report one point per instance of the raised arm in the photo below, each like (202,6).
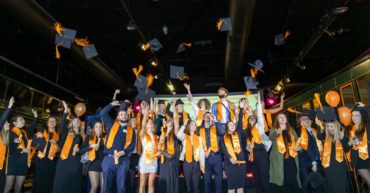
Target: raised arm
(6,113)
(280,107)
(239,126)
(104,114)
(143,127)
(176,121)
(63,122)
(260,118)
(191,100)
(33,123)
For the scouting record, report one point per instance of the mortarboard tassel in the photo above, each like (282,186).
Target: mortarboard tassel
(58,28)
(137,71)
(317,98)
(149,81)
(185,77)
(145,46)
(286,34)
(290,109)
(254,72)
(219,24)
(57,52)
(83,42)
(187,44)
(247,93)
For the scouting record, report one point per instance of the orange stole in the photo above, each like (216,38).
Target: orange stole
(200,117)
(213,139)
(170,147)
(282,148)
(219,110)
(67,146)
(363,152)
(233,146)
(267,120)
(19,133)
(150,148)
(138,123)
(192,149)
(92,152)
(245,119)
(53,147)
(303,140)
(256,138)
(3,148)
(327,151)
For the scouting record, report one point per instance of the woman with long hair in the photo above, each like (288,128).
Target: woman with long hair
(169,159)
(333,159)
(202,106)
(258,156)
(284,170)
(148,164)
(4,141)
(359,137)
(234,159)
(192,153)
(68,175)
(19,153)
(94,146)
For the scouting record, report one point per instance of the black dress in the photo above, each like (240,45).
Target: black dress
(17,161)
(336,175)
(68,176)
(169,170)
(45,167)
(94,165)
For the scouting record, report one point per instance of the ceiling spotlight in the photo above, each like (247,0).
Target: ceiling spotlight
(131,26)
(165,30)
(156,76)
(154,63)
(171,87)
(340,10)
(287,79)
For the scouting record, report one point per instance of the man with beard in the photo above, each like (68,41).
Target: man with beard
(223,110)
(120,143)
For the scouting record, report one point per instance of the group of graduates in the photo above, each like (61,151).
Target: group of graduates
(221,141)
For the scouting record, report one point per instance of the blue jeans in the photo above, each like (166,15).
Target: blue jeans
(112,171)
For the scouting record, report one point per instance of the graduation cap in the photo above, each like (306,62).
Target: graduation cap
(123,106)
(258,65)
(224,24)
(308,113)
(155,45)
(145,95)
(65,38)
(250,82)
(363,110)
(326,114)
(279,39)
(180,48)
(140,82)
(90,51)
(176,72)
(160,102)
(179,102)
(315,179)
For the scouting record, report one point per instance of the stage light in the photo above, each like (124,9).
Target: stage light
(287,79)
(136,106)
(171,87)
(340,10)
(300,66)
(154,63)
(249,175)
(156,76)
(131,26)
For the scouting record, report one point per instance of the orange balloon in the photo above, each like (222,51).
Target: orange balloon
(80,109)
(344,115)
(332,98)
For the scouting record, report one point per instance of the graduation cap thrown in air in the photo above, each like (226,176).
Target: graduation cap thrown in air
(176,72)
(145,95)
(258,65)
(279,39)
(140,82)
(90,51)
(250,82)
(155,45)
(224,24)
(66,38)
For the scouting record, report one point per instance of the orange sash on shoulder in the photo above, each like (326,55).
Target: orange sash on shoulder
(339,156)
(53,147)
(219,110)
(112,134)
(192,149)
(3,148)
(303,140)
(67,146)
(150,148)
(291,146)
(170,145)
(19,133)
(200,117)
(362,147)
(256,138)
(92,152)
(232,147)
(213,139)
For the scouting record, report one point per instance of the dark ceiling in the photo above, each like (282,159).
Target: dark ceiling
(104,23)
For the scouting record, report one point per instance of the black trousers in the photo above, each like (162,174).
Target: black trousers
(130,181)
(261,167)
(192,176)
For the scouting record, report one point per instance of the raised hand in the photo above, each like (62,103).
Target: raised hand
(187,86)
(115,103)
(65,106)
(11,102)
(34,112)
